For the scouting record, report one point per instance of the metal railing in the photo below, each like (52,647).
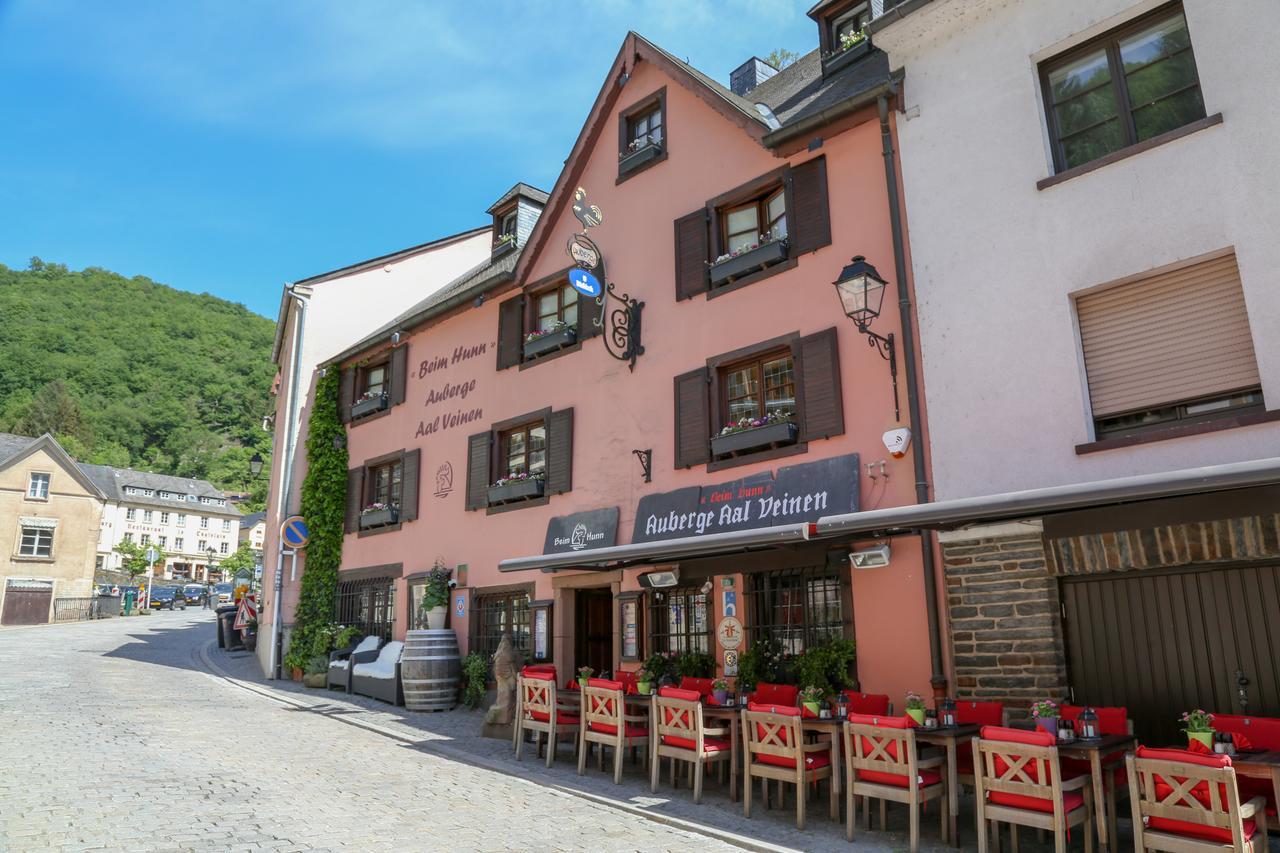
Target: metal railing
(74,609)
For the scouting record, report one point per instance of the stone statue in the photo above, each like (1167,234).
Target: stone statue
(501,715)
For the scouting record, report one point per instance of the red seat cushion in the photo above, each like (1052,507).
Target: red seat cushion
(775,694)
(768,708)
(867,703)
(1111,721)
(562,719)
(1071,800)
(701,685)
(679,693)
(632,730)
(1200,793)
(924,778)
(1263,733)
(539,676)
(628,681)
(980,713)
(709,744)
(544,668)
(604,683)
(812,761)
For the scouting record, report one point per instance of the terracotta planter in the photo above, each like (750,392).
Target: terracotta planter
(754,439)
(296,673)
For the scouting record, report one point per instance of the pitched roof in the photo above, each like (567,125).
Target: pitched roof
(11,445)
(14,448)
(111,481)
(521,188)
(799,91)
(252,519)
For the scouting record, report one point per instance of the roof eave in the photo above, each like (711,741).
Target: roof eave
(895,14)
(835,112)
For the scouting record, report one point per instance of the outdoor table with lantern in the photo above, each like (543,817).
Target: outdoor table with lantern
(950,737)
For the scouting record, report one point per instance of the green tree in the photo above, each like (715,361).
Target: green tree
(52,410)
(242,559)
(780,57)
(135,559)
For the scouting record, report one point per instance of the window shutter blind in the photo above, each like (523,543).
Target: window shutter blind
(822,405)
(691,255)
(559,452)
(399,373)
(355,499)
(1171,337)
(346,394)
(808,214)
(510,332)
(588,310)
(409,475)
(693,419)
(478,470)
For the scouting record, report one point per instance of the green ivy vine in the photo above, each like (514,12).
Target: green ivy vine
(324,495)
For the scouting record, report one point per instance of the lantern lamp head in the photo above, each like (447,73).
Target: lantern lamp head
(255,464)
(861,291)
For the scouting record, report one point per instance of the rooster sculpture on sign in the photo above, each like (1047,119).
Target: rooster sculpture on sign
(588,214)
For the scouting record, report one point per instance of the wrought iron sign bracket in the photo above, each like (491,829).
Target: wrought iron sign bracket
(620,325)
(646,463)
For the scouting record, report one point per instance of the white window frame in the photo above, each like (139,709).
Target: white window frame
(164,518)
(146,516)
(130,513)
(36,534)
(38,486)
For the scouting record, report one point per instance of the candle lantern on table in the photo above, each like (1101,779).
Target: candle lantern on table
(842,706)
(1089,727)
(948,715)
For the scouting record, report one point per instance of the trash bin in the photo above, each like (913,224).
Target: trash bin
(230,636)
(129,600)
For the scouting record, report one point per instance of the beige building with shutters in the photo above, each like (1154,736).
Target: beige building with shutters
(49,517)
(1094,247)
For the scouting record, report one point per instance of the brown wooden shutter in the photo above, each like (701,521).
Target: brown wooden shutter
(693,419)
(346,394)
(510,332)
(1174,336)
(410,472)
(588,310)
(691,255)
(822,406)
(559,452)
(355,499)
(809,216)
(478,470)
(399,373)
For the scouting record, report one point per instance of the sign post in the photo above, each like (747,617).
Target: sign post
(152,555)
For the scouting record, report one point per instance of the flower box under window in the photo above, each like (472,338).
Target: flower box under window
(550,342)
(502,247)
(633,160)
(368,406)
(843,59)
(516,490)
(382,517)
(757,438)
(725,270)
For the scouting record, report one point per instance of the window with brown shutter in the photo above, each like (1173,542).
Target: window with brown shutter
(510,332)
(521,461)
(387,493)
(1145,356)
(691,254)
(355,499)
(811,210)
(642,135)
(399,374)
(693,419)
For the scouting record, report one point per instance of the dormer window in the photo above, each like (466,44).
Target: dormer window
(642,134)
(506,227)
(842,30)
(848,24)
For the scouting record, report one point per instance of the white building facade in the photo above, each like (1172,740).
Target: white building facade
(190,523)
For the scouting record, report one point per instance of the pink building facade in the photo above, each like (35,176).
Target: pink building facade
(620,470)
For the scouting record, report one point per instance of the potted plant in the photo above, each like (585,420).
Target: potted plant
(637,153)
(775,428)
(1198,725)
(915,708)
(505,243)
(435,599)
(768,250)
(584,675)
(811,697)
(378,515)
(644,681)
(1045,713)
(317,671)
(368,403)
(852,47)
(516,486)
(556,336)
(720,691)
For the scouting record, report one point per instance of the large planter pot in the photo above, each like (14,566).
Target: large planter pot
(727,270)
(368,407)
(436,618)
(754,439)
(845,58)
(644,688)
(317,679)
(721,696)
(1205,738)
(381,518)
(550,343)
(296,673)
(916,714)
(638,158)
(522,490)
(1048,724)
(813,707)
(430,669)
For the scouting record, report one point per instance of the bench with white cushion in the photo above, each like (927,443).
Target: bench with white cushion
(379,678)
(340,661)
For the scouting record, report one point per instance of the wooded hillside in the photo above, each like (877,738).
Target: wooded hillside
(128,372)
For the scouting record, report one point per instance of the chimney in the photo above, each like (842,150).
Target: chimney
(750,74)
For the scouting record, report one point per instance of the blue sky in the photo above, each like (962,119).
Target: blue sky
(232,146)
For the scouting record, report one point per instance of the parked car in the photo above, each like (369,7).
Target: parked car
(195,594)
(223,593)
(167,598)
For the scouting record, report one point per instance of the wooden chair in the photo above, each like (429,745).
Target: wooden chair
(976,714)
(682,736)
(881,763)
(1018,781)
(1188,803)
(540,713)
(1111,721)
(776,694)
(530,669)
(701,685)
(774,749)
(603,720)
(873,704)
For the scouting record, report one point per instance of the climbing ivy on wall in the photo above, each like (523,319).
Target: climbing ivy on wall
(324,495)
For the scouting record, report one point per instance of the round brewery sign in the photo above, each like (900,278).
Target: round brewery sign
(584,282)
(729,633)
(584,252)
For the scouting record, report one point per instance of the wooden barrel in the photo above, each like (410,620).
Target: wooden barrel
(430,670)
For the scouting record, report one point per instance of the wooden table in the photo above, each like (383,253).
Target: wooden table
(1093,751)
(733,714)
(1259,765)
(950,737)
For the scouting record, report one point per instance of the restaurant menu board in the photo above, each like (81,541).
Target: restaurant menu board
(630,629)
(540,633)
(798,493)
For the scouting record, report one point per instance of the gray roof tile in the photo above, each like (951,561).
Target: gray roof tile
(11,445)
(113,480)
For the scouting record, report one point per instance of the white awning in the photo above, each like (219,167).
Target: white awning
(33,521)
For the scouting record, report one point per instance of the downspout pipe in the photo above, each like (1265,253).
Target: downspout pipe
(939,678)
(301,298)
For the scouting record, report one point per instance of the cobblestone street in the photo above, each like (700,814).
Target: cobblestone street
(114,737)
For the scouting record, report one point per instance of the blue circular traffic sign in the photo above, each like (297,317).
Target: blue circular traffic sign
(294,532)
(584,282)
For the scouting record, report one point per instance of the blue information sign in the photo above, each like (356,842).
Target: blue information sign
(294,532)
(584,282)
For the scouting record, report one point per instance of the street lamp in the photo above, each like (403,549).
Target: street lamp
(861,292)
(212,554)
(255,465)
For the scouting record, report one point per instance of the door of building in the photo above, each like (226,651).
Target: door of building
(1160,643)
(593,629)
(26,602)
